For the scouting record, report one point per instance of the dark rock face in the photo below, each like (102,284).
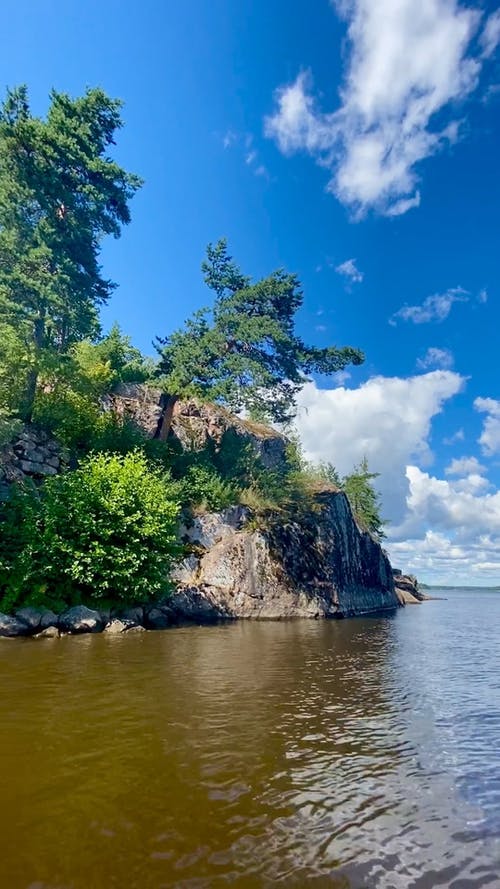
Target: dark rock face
(323,567)
(12,626)
(80,620)
(159,617)
(37,619)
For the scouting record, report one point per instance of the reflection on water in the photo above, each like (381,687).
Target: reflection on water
(359,754)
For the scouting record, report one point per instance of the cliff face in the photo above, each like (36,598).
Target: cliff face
(320,566)
(323,567)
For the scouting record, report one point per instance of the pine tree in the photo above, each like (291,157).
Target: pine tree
(60,194)
(244,352)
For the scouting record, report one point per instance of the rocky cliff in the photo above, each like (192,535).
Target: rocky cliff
(322,565)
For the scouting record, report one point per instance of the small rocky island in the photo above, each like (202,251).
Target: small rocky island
(321,565)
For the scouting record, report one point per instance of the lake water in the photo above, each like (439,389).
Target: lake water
(360,754)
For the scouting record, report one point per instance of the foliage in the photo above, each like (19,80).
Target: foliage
(111,360)
(203,488)
(105,531)
(245,353)
(60,194)
(364,499)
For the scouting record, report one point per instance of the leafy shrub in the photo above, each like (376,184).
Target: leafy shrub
(203,488)
(105,532)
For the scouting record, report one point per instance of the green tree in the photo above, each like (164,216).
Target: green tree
(244,352)
(60,194)
(105,532)
(364,499)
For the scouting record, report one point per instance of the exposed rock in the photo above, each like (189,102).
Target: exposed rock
(406,598)
(130,616)
(80,620)
(158,618)
(32,454)
(136,628)
(193,424)
(37,618)
(407,585)
(115,627)
(12,626)
(324,566)
(48,633)
(141,404)
(207,530)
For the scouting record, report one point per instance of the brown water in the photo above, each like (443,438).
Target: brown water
(353,755)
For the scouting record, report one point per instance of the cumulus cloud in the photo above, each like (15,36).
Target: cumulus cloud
(433,308)
(490,435)
(387,419)
(465,466)
(434,357)
(349,270)
(408,63)
(443,529)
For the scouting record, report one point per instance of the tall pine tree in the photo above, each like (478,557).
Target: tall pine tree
(60,194)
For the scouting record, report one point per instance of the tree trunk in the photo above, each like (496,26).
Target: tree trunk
(166,421)
(32,381)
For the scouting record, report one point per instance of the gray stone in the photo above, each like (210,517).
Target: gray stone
(48,619)
(133,615)
(207,530)
(49,632)
(31,617)
(158,618)
(80,620)
(45,469)
(12,626)
(115,627)
(136,628)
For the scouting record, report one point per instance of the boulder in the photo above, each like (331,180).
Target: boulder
(37,618)
(407,585)
(115,626)
(48,633)
(81,619)
(134,615)
(159,617)
(12,626)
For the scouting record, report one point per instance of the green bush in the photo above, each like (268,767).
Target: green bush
(103,533)
(202,488)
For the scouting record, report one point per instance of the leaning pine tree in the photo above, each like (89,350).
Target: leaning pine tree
(60,194)
(244,352)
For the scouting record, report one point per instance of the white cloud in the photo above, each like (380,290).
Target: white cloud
(434,357)
(490,38)
(407,62)
(387,419)
(465,466)
(443,529)
(482,296)
(349,270)
(459,435)
(433,308)
(490,435)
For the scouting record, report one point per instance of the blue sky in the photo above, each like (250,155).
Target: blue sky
(357,144)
